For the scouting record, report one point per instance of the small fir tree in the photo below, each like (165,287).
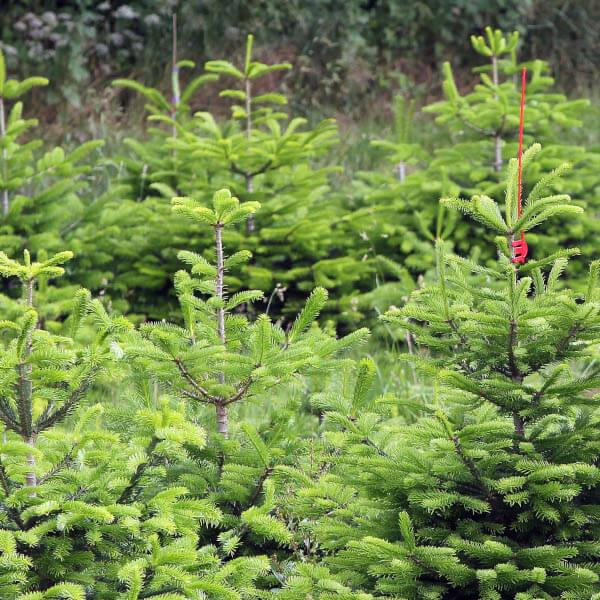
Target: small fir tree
(494,492)
(86,512)
(484,126)
(218,359)
(40,193)
(218,356)
(400,220)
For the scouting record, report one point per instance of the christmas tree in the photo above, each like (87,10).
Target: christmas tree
(43,192)
(398,220)
(493,492)
(86,511)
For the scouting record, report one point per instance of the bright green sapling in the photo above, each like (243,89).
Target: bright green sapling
(218,356)
(86,512)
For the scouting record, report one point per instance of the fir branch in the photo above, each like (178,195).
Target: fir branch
(65,462)
(563,345)
(473,127)
(250,174)
(127,493)
(8,416)
(240,393)
(193,396)
(7,485)
(14,515)
(260,485)
(472,467)
(371,444)
(51,418)
(188,377)
(4,479)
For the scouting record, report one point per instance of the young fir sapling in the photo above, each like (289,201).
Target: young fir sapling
(86,512)
(218,356)
(43,379)
(484,125)
(400,220)
(262,154)
(258,152)
(494,491)
(249,112)
(39,198)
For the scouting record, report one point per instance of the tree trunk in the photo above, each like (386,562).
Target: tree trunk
(498,161)
(5,202)
(30,477)
(222,417)
(222,420)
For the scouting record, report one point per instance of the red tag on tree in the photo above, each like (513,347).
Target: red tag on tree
(520,247)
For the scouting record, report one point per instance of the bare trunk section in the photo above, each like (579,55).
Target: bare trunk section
(401,174)
(30,476)
(250,225)
(219,282)
(26,390)
(222,417)
(498,154)
(248,108)
(30,284)
(222,420)
(175,76)
(5,202)
(401,171)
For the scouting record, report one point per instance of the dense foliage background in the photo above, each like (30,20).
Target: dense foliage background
(262,334)
(345,54)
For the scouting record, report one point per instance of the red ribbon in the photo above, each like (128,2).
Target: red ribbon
(520,247)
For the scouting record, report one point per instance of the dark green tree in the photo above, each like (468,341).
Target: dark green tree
(493,493)
(399,220)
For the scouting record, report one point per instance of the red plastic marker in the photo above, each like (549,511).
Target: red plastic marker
(520,247)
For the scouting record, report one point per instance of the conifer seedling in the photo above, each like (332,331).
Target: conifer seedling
(260,153)
(400,220)
(44,377)
(218,356)
(86,512)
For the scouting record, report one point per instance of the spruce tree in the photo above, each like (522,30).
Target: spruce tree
(218,356)
(86,511)
(493,492)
